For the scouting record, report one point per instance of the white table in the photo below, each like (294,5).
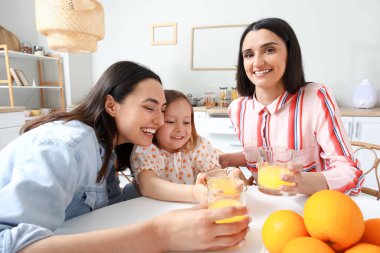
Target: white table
(259,205)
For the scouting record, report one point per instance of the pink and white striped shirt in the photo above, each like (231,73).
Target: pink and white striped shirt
(308,122)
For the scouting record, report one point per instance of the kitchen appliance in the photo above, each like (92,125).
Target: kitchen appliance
(365,95)
(193,101)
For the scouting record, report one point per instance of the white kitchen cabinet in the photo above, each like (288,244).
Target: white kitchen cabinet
(10,124)
(218,130)
(364,129)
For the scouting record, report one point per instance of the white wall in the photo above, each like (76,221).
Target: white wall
(340,40)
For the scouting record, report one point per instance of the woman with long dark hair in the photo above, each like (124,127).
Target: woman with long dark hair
(278,108)
(63,165)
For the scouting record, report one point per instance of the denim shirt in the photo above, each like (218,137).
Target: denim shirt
(48,175)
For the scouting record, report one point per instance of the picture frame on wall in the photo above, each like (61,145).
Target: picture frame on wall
(207,43)
(163,34)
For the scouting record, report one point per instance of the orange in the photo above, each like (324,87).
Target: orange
(334,218)
(363,248)
(306,244)
(280,227)
(372,232)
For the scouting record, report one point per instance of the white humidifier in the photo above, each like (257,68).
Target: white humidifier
(365,95)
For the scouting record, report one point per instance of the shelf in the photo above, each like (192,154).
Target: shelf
(31,87)
(6,55)
(19,55)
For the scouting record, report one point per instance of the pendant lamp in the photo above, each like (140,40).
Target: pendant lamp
(71,26)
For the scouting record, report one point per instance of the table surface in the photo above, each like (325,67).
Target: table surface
(259,205)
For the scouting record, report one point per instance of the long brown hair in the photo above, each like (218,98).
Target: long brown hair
(171,96)
(119,80)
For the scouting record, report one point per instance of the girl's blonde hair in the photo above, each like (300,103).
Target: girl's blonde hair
(171,96)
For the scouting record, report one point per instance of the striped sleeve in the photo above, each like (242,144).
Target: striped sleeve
(340,168)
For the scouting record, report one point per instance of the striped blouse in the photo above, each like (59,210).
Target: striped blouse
(308,122)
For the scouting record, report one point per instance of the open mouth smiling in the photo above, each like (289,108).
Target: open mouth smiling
(149,131)
(262,72)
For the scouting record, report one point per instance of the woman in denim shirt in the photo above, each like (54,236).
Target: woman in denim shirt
(62,166)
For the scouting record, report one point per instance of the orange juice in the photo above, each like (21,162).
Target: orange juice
(269,177)
(225,203)
(224,185)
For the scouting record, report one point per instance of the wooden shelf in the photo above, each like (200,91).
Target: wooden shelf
(30,87)
(19,55)
(43,85)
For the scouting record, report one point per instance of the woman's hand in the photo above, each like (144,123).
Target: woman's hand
(194,229)
(294,176)
(200,188)
(304,182)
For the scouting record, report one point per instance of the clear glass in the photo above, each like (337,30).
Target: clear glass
(272,164)
(224,189)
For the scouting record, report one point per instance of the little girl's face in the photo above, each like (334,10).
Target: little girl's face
(176,131)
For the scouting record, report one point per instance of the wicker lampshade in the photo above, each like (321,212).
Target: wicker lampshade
(71,26)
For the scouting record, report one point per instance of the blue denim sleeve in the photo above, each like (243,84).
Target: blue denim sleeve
(13,238)
(38,184)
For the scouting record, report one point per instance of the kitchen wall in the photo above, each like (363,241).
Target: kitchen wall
(340,40)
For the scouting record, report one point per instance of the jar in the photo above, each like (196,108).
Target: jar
(209,99)
(225,102)
(234,93)
(26,48)
(222,93)
(38,50)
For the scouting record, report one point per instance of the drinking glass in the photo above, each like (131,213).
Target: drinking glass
(272,164)
(225,188)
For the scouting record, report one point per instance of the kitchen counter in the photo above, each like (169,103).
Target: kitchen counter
(12,109)
(345,111)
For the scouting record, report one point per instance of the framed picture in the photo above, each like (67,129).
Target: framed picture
(163,34)
(22,77)
(210,48)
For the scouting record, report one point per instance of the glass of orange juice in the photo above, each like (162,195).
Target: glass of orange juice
(272,164)
(225,188)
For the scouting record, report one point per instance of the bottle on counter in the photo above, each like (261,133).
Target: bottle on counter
(234,93)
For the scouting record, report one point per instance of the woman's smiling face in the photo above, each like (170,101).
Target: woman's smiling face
(140,114)
(264,56)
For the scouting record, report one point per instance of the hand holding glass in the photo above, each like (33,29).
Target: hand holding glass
(224,189)
(273,163)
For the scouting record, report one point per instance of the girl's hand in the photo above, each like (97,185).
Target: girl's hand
(200,188)
(294,177)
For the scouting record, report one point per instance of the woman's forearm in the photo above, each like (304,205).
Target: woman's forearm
(132,238)
(312,182)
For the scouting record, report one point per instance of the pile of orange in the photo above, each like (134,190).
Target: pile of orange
(332,222)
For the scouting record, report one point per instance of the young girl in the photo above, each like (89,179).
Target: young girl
(168,169)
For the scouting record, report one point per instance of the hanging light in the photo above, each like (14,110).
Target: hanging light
(71,26)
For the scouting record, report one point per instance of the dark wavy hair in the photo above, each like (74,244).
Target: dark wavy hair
(294,75)
(119,80)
